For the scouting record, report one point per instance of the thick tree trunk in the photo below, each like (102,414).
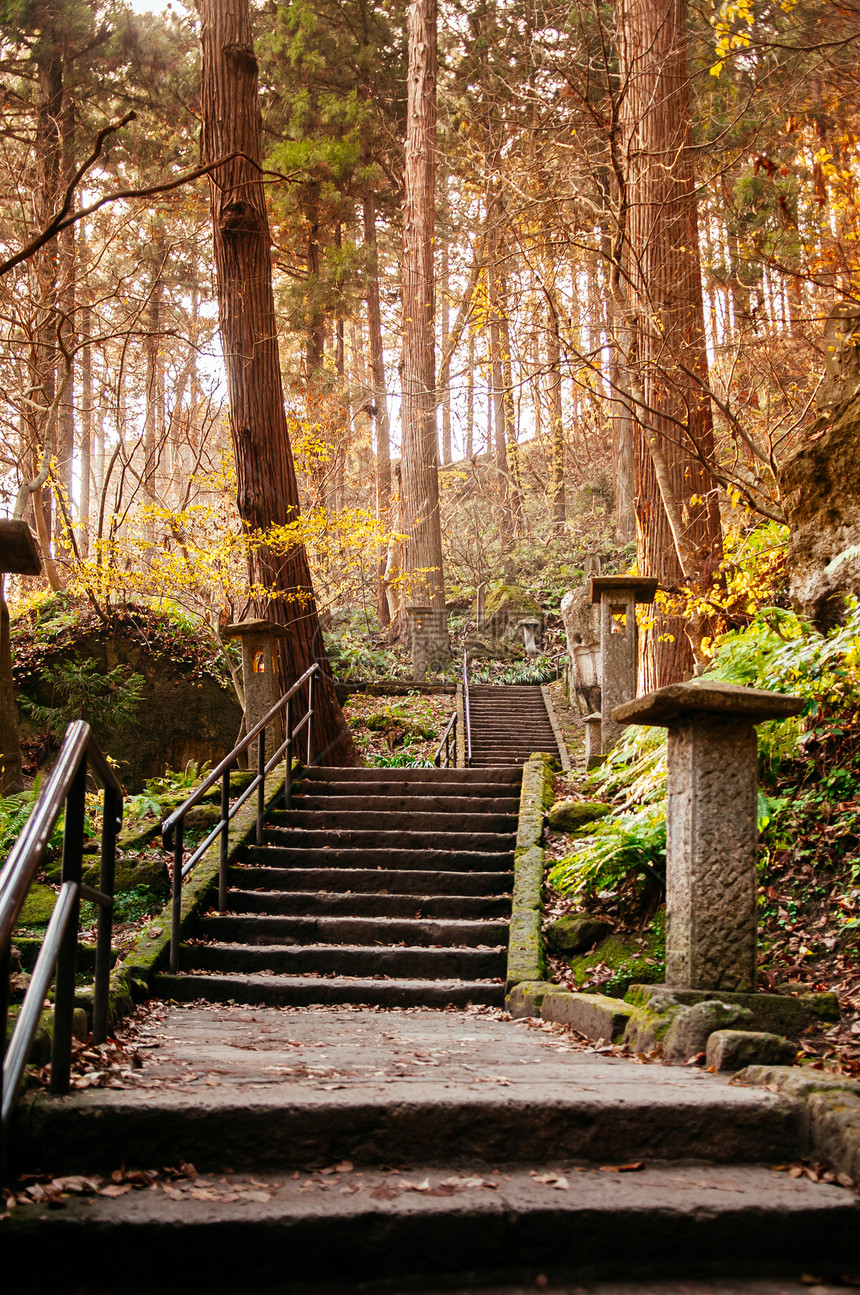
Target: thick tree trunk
(267,488)
(556,420)
(420,484)
(497,377)
(380,402)
(678,525)
(470,398)
(86,428)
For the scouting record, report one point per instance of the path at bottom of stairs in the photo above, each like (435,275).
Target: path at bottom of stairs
(361,1149)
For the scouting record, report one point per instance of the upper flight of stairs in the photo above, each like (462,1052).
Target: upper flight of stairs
(508,724)
(386,887)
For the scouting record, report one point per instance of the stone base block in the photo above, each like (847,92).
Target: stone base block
(525,999)
(597,1016)
(782,1014)
(734,1049)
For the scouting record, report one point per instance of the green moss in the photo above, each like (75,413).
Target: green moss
(38,907)
(571,815)
(508,598)
(628,963)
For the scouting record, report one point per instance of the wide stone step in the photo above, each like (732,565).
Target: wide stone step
(302,991)
(273,929)
(417,790)
(383,880)
(375,1231)
(423,805)
(334,903)
(338,854)
(384,820)
(308,839)
(453,777)
(346,960)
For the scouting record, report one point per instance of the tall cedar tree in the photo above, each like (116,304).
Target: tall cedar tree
(420,481)
(678,521)
(267,487)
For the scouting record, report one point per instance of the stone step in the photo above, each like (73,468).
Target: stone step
(462,805)
(384,820)
(454,777)
(270,929)
(423,790)
(301,991)
(424,963)
(374,1231)
(310,839)
(336,855)
(370,879)
(368,904)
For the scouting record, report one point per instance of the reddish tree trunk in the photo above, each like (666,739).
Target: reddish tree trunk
(678,523)
(420,482)
(267,488)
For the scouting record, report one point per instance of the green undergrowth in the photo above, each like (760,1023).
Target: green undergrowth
(810,765)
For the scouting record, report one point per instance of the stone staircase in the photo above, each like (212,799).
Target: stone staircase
(385,887)
(509,723)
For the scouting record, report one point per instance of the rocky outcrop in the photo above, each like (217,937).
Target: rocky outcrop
(820,484)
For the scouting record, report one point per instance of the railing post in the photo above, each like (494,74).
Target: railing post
(310,720)
(261,789)
(225,841)
(288,757)
(176,912)
(101,984)
(64,990)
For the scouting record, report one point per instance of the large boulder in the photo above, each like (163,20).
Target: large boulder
(820,484)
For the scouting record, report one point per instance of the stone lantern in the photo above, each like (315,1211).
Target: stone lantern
(617,597)
(259,639)
(419,618)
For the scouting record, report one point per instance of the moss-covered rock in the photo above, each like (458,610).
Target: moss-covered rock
(693,1026)
(38,906)
(577,932)
(573,815)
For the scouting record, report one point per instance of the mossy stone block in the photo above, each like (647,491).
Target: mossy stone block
(577,932)
(38,906)
(573,815)
(595,1015)
(525,998)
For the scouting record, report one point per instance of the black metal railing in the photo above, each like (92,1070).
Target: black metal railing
(447,745)
(66,786)
(173,828)
(467,715)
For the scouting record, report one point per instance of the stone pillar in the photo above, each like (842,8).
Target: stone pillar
(419,619)
(530,627)
(593,754)
(618,596)
(260,674)
(480,604)
(711,825)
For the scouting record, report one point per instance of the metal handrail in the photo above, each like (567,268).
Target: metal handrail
(173,828)
(66,785)
(467,716)
(448,738)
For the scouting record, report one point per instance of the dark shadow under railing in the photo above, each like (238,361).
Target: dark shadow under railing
(173,828)
(65,786)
